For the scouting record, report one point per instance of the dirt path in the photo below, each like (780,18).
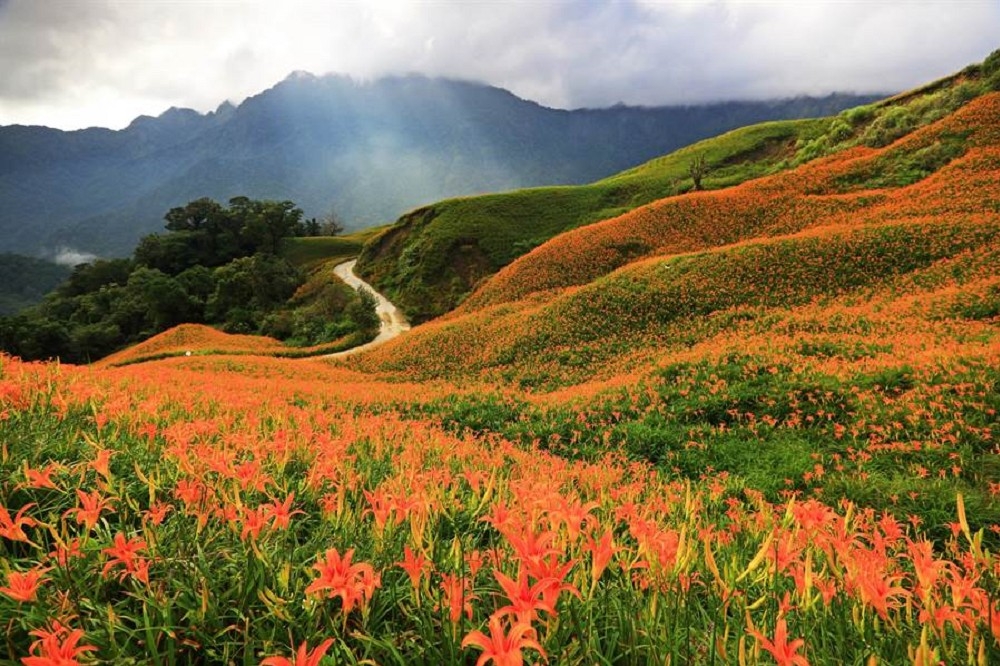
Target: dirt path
(393,320)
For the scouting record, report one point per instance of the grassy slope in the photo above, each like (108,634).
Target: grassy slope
(431,259)
(785,211)
(307,253)
(433,256)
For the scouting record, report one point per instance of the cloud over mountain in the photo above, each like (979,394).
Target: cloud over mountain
(103,62)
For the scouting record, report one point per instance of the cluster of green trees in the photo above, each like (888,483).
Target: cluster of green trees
(216,264)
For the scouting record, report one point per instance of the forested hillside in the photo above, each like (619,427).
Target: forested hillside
(247,267)
(24,280)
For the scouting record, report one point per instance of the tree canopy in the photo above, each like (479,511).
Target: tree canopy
(215,264)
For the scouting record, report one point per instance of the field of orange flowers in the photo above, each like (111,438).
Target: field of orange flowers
(829,192)
(209,511)
(751,426)
(202,340)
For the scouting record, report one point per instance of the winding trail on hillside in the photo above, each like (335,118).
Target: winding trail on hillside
(393,321)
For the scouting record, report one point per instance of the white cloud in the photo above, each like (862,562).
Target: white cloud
(67,256)
(102,62)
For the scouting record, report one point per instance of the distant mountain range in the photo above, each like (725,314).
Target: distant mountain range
(367,150)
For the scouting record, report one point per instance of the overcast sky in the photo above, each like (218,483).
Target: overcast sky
(78,63)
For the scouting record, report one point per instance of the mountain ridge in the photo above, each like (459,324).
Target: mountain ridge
(370,150)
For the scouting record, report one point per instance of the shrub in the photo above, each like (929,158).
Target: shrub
(893,123)
(840,130)
(362,311)
(992,63)
(858,115)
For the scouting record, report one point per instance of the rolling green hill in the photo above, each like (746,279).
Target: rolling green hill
(309,252)
(433,257)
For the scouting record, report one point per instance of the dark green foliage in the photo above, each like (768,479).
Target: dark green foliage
(90,341)
(216,264)
(33,336)
(204,233)
(248,288)
(166,301)
(87,278)
(198,282)
(24,280)
(265,223)
(362,311)
(318,314)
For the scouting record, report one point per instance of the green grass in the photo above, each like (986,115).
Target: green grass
(307,252)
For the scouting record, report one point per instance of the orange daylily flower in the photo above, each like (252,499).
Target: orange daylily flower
(414,565)
(574,515)
(65,551)
(157,512)
(501,647)
(475,561)
(601,552)
(457,595)
(282,512)
(784,653)
(57,647)
(254,520)
(303,656)
(13,528)
(878,589)
(533,547)
(102,463)
(89,511)
(353,583)
(927,568)
(551,569)
(23,586)
(525,600)
(126,554)
(41,478)
(499,517)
